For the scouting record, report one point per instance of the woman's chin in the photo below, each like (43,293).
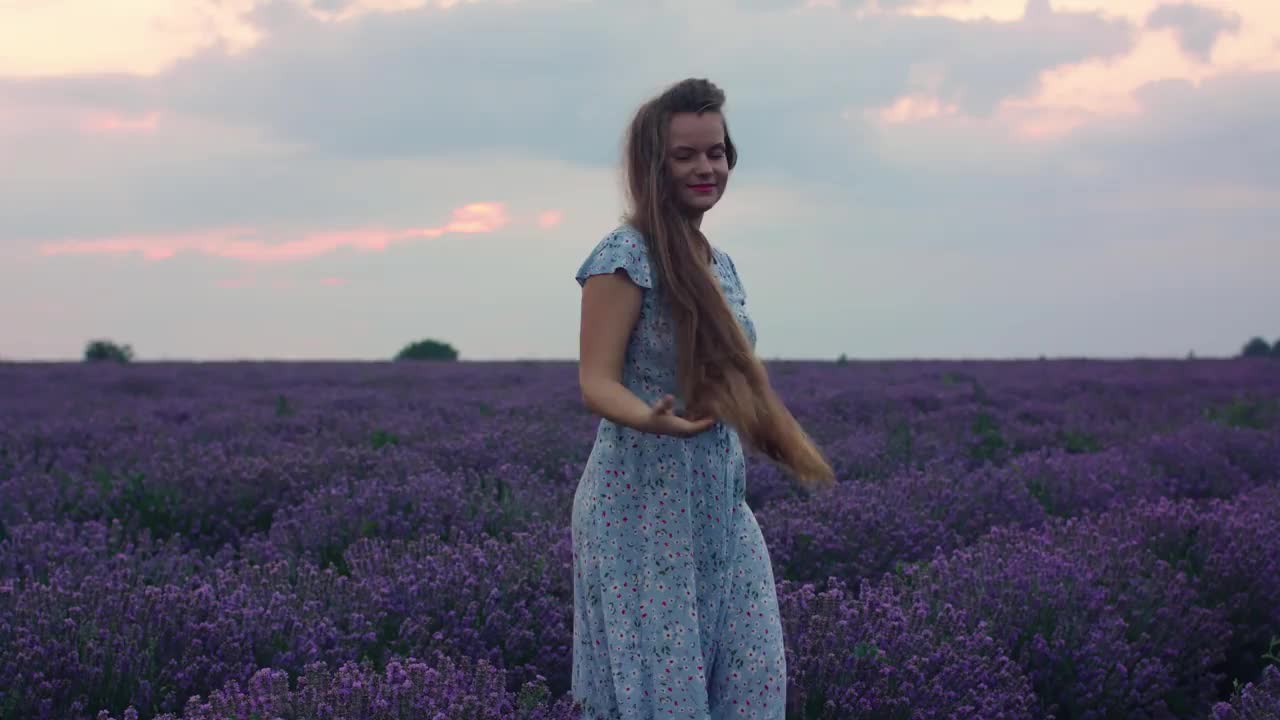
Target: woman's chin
(701,204)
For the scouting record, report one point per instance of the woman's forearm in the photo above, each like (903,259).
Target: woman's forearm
(614,401)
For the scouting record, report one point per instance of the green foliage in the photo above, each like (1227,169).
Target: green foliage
(987,444)
(1275,349)
(100,350)
(1079,441)
(1257,347)
(1245,413)
(863,649)
(1039,491)
(533,694)
(140,503)
(382,438)
(899,443)
(428,350)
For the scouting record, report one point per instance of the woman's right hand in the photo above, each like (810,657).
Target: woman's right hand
(664,422)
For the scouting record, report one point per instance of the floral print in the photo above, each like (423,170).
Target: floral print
(675,609)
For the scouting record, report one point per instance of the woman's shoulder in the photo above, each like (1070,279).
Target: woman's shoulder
(625,238)
(721,255)
(626,234)
(623,247)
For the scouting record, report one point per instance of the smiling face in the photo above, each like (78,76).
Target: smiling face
(697,160)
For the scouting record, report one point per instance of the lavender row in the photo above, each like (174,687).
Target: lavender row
(216,453)
(1148,611)
(168,530)
(472,598)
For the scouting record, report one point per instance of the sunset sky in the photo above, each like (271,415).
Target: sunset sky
(332,179)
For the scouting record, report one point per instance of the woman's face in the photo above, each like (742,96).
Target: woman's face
(696,159)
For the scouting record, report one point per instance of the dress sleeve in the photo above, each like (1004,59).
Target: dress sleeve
(734,269)
(623,249)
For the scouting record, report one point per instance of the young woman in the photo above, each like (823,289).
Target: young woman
(675,611)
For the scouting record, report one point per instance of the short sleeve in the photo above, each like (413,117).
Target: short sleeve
(734,269)
(623,248)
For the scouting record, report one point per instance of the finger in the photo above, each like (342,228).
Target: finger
(693,427)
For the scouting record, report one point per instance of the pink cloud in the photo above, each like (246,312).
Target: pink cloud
(144,37)
(914,108)
(550,218)
(1076,94)
(96,123)
(243,243)
(333,281)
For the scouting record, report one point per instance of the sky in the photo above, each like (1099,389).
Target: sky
(333,179)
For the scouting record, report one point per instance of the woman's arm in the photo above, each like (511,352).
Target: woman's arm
(610,309)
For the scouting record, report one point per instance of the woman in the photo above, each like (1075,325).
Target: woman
(675,611)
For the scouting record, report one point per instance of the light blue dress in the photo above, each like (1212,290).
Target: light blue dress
(675,609)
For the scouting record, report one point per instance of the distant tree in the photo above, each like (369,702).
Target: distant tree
(1275,349)
(428,350)
(100,350)
(1257,347)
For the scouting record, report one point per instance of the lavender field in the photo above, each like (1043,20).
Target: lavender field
(1040,539)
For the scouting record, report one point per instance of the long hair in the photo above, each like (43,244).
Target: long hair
(717,369)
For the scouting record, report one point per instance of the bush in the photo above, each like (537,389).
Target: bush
(1256,347)
(428,350)
(99,350)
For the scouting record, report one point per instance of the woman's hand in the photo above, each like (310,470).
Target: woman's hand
(664,422)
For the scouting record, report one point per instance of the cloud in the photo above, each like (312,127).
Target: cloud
(285,132)
(913,108)
(121,36)
(931,167)
(389,84)
(854,5)
(113,122)
(548,219)
(244,244)
(1214,133)
(146,37)
(1198,27)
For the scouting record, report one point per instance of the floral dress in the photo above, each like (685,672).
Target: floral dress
(675,609)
